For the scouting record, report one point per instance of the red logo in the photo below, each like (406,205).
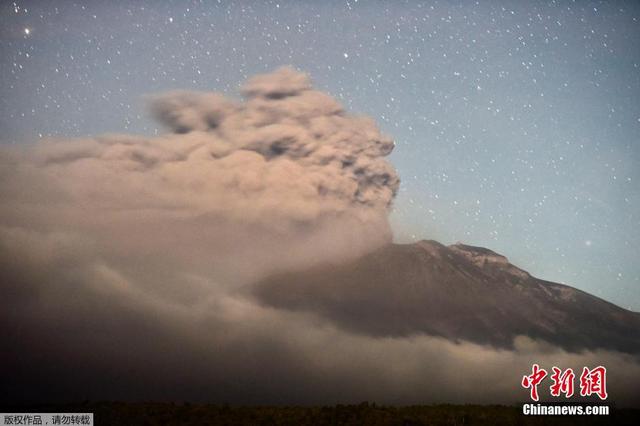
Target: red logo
(592,382)
(532,381)
(562,382)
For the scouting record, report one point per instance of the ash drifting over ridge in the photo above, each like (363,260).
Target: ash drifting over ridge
(459,292)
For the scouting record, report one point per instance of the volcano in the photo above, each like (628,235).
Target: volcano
(458,292)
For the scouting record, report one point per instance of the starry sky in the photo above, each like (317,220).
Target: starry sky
(517,124)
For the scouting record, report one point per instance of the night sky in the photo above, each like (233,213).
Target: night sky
(517,126)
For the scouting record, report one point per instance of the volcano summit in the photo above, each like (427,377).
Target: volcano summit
(458,292)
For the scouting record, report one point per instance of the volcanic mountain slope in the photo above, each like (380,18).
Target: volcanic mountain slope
(458,292)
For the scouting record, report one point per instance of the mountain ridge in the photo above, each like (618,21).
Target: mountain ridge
(459,292)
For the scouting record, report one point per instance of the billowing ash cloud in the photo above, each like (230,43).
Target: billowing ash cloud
(301,135)
(125,263)
(285,177)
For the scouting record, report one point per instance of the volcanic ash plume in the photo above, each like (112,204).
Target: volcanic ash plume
(300,140)
(285,171)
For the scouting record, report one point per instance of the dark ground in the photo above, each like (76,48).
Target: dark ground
(118,413)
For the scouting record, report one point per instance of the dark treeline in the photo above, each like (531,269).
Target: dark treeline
(119,413)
